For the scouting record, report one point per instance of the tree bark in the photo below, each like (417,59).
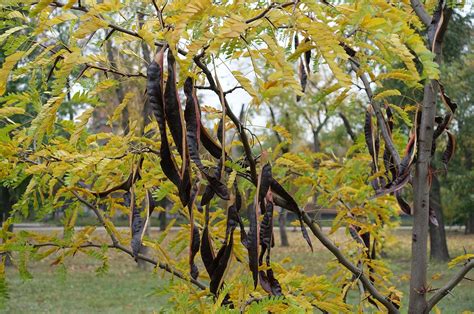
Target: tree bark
(118,90)
(438,246)
(421,192)
(282,225)
(421,186)
(348,127)
(469,224)
(5,208)
(162,219)
(142,264)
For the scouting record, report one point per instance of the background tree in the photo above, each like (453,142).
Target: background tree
(459,77)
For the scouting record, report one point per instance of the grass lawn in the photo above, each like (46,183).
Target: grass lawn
(126,289)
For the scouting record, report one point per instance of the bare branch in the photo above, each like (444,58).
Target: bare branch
(346,263)
(230,91)
(421,12)
(87,245)
(203,87)
(444,291)
(274,123)
(116,72)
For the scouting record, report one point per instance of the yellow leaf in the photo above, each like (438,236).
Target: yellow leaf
(402,114)
(387,93)
(60,19)
(147,36)
(69,4)
(436,276)
(9,111)
(90,24)
(460,259)
(119,109)
(246,83)
(41,168)
(7,66)
(11,31)
(43,123)
(18,15)
(284,132)
(373,23)
(83,119)
(42,4)
(231,180)
(103,85)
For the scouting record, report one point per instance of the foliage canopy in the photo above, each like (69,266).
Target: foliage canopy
(183,141)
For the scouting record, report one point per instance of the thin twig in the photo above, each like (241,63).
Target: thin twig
(116,243)
(116,27)
(240,129)
(444,291)
(265,12)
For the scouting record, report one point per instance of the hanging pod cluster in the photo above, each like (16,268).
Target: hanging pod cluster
(188,133)
(304,66)
(260,239)
(395,178)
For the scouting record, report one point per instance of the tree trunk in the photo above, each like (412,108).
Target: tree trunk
(438,247)
(421,192)
(5,208)
(144,265)
(316,142)
(282,226)
(119,89)
(162,219)
(421,186)
(470,224)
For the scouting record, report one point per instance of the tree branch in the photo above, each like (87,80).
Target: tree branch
(108,70)
(122,248)
(444,291)
(240,129)
(348,127)
(378,113)
(268,9)
(89,65)
(346,263)
(116,243)
(87,245)
(421,12)
(115,27)
(314,228)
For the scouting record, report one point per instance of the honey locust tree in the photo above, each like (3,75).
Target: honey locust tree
(210,162)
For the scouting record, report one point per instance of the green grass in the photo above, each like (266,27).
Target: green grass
(126,289)
(84,293)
